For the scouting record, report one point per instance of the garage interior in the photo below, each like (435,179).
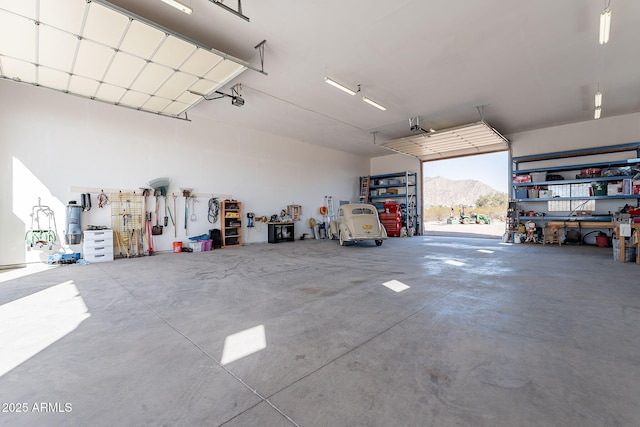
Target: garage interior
(422,330)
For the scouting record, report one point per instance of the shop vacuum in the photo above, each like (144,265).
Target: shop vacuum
(73,233)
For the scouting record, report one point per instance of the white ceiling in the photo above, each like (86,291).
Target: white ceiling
(532,64)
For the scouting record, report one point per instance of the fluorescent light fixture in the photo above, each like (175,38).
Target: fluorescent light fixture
(605,25)
(597,113)
(339,86)
(598,99)
(100,51)
(179,6)
(375,104)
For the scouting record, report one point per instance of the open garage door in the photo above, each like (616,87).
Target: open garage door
(466,140)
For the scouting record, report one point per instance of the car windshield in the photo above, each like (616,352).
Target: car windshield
(362,211)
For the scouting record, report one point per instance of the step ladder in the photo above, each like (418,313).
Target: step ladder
(328,217)
(364,189)
(328,202)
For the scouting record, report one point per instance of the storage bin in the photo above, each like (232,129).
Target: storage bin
(196,246)
(599,188)
(538,176)
(533,194)
(545,194)
(206,245)
(522,194)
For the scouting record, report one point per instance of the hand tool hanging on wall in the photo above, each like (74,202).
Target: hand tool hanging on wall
(193,208)
(166,209)
(186,214)
(175,225)
(186,193)
(157,229)
(147,216)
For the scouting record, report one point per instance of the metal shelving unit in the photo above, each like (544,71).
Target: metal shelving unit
(401,187)
(573,185)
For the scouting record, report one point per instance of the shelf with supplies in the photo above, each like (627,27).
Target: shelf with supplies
(575,190)
(231,229)
(402,187)
(582,187)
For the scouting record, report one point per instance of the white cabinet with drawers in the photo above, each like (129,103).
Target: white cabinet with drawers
(98,245)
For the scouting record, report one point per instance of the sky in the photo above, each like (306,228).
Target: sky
(492,169)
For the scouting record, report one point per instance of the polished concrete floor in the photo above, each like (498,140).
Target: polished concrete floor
(306,334)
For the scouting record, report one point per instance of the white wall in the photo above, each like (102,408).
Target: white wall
(395,163)
(51,142)
(398,163)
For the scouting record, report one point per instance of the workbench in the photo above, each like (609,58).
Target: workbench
(280,232)
(554,228)
(581,224)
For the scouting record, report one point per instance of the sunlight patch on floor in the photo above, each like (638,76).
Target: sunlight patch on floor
(243,344)
(396,285)
(31,324)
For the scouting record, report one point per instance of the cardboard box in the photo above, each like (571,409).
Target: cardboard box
(392,191)
(614,189)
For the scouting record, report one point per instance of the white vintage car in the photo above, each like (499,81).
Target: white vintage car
(355,222)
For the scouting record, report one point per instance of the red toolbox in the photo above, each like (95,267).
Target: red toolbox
(391,206)
(391,222)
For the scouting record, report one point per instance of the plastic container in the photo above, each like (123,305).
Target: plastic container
(602,241)
(522,194)
(196,246)
(538,176)
(177,247)
(206,245)
(599,188)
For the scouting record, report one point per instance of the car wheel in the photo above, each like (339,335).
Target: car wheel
(466,221)
(378,242)
(342,242)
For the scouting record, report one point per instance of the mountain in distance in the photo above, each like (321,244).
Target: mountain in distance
(440,191)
